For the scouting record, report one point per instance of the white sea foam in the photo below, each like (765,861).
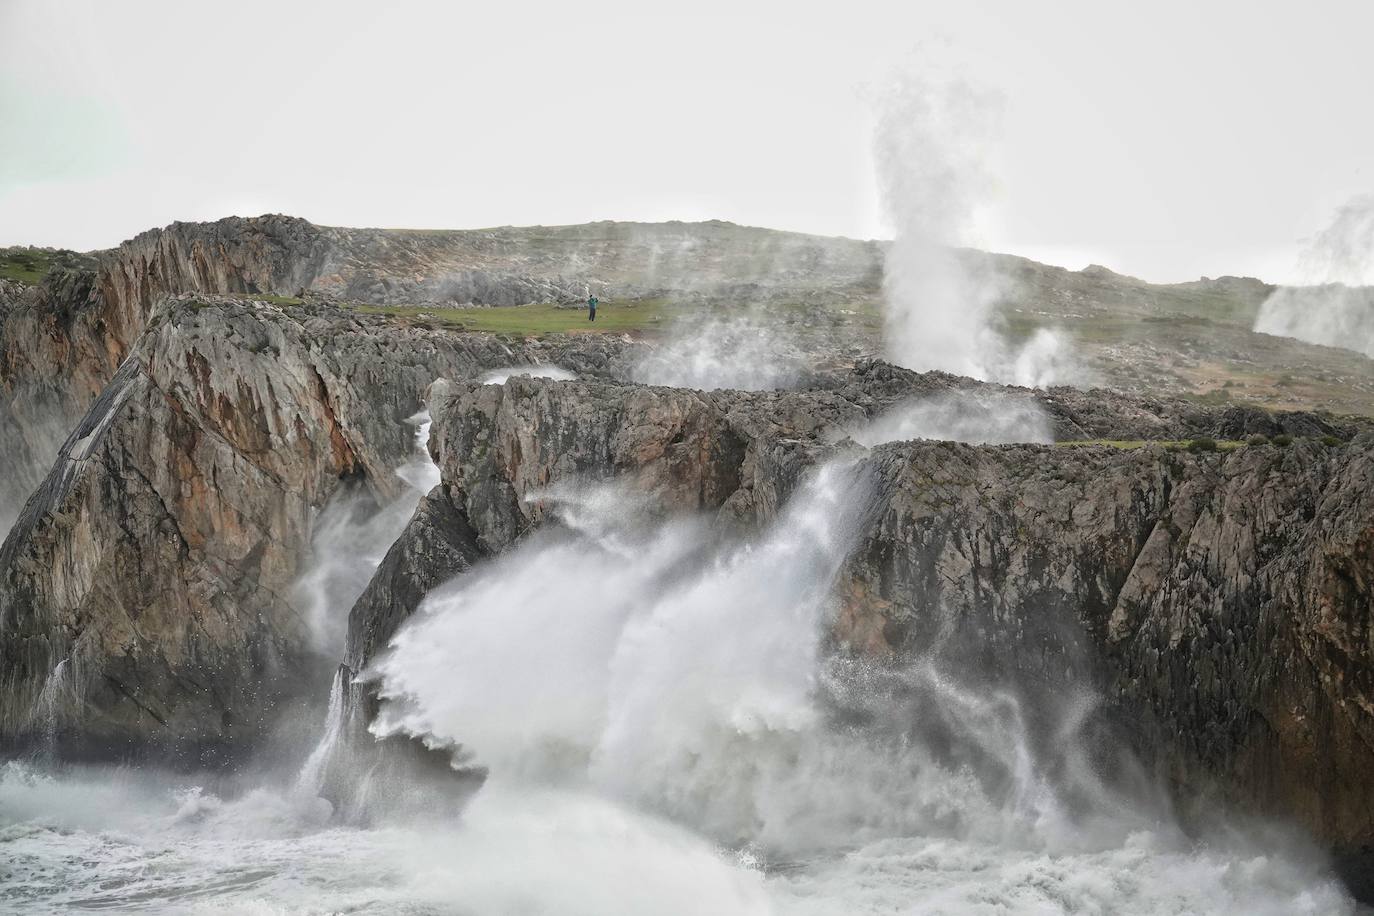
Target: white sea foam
(665,732)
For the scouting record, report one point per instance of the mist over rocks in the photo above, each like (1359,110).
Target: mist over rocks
(1208,599)
(157,558)
(63,337)
(1335,309)
(179,412)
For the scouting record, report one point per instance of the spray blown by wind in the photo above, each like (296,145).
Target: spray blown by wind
(933,155)
(351,537)
(667,731)
(1337,310)
(619,662)
(979,418)
(744,351)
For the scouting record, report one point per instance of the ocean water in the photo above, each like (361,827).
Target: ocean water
(130,841)
(665,732)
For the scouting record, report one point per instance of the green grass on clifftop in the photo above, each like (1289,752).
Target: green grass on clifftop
(25,265)
(612,317)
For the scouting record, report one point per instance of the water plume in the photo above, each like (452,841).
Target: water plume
(351,538)
(628,658)
(1335,310)
(934,146)
(744,351)
(989,417)
(613,672)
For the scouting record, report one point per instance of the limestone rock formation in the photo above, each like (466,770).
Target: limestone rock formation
(1216,602)
(145,589)
(174,413)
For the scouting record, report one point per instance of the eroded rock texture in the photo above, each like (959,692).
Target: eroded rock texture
(145,592)
(62,341)
(1217,602)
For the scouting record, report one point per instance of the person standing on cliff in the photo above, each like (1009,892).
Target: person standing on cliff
(591,308)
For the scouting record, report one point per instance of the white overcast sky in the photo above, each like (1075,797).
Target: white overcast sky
(1166,140)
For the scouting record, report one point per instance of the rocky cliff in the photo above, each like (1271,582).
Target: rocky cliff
(62,340)
(174,417)
(1216,602)
(145,591)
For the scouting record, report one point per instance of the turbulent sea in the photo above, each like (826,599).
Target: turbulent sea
(123,841)
(665,732)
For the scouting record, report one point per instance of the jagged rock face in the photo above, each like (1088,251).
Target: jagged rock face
(689,449)
(1219,603)
(742,451)
(156,558)
(513,266)
(62,341)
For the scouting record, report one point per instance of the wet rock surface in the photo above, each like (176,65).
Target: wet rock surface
(172,428)
(154,564)
(1216,603)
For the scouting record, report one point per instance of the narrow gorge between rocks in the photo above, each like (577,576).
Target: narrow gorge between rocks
(314,598)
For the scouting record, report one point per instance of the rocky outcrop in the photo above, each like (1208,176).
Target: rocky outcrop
(62,341)
(1217,602)
(145,589)
(742,451)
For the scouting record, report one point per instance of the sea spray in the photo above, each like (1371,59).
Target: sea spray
(1336,310)
(499,376)
(713,684)
(935,142)
(743,351)
(513,663)
(351,538)
(570,662)
(988,417)
(560,661)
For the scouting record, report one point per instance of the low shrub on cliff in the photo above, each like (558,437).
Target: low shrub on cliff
(1202,445)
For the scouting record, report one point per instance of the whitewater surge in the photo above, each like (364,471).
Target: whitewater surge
(351,538)
(666,731)
(624,662)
